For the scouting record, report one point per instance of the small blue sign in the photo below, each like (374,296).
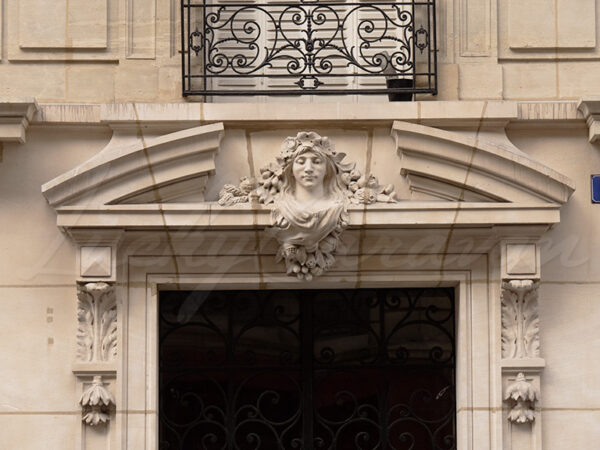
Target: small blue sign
(595,188)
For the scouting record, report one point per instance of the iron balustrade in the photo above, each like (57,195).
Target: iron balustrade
(307,369)
(234,47)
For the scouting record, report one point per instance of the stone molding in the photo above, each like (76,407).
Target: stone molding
(590,108)
(15,117)
(439,113)
(495,172)
(137,172)
(254,216)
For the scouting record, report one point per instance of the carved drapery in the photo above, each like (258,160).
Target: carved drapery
(520,321)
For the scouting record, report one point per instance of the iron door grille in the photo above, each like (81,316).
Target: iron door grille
(307,369)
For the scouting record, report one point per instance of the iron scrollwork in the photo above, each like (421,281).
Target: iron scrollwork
(311,45)
(307,369)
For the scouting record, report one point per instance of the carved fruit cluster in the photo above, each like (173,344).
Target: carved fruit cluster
(270,183)
(309,262)
(363,189)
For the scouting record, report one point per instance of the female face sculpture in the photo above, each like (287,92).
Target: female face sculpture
(309,169)
(309,188)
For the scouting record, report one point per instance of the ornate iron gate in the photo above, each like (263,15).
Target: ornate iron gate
(327,369)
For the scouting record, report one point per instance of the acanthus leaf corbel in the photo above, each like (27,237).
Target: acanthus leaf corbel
(97,341)
(520,319)
(97,322)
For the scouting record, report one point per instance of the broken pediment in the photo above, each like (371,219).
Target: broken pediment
(455,179)
(151,170)
(458,167)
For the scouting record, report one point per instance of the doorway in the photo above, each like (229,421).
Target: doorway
(307,369)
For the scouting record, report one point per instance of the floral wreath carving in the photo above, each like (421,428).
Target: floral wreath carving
(308,238)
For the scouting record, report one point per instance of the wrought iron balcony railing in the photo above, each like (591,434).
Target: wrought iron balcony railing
(232,47)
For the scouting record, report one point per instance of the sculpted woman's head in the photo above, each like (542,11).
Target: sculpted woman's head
(309,166)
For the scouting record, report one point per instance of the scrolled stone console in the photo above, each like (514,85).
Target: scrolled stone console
(521,363)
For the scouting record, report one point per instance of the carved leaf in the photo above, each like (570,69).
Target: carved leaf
(85,328)
(509,322)
(531,321)
(95,416)
(108,337)
(521,413)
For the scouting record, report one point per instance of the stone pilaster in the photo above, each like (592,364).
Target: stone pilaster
(521,362)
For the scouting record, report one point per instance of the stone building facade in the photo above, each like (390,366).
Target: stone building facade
(112,191)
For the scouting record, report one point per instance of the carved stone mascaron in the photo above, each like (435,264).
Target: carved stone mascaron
(309,188)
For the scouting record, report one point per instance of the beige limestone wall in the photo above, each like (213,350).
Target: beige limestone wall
(110,50)
(38,296)
(38,397)
(569,300)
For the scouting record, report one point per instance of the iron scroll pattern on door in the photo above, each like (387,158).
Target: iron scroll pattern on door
(349,369)
(311,47)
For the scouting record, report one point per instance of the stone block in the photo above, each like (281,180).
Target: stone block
(95,262)
(557,24)
(63,24)
(480,81)
(136,81)
(521,259)
(46,83)
(447,82)
(577,79)
(529,80)
(169,83)
(93,83)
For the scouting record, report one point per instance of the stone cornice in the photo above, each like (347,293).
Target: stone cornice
(432,113)
(590,108)
(185,115)
(15,116)
(247,216)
